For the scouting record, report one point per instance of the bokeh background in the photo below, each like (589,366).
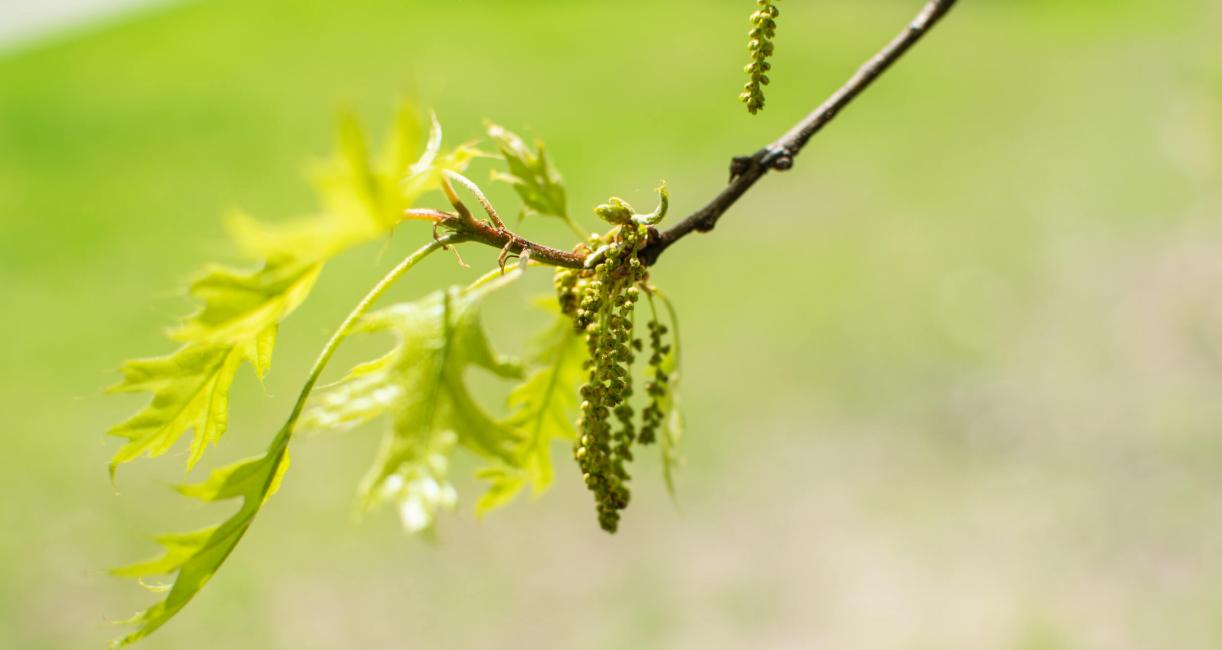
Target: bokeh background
(954,381)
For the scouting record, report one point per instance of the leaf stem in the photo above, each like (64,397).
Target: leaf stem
(195,570)
(357,312)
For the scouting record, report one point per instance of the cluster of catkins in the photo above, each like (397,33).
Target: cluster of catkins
(763,30)
(601,299)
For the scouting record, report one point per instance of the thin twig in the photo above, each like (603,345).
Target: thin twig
(746,170)
(479,196)
(510,243)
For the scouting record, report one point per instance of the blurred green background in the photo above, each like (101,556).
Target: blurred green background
(954,381)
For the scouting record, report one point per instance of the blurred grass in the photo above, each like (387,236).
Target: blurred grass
(952,381)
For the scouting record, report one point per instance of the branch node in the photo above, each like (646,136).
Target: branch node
(776,157)
(652,234)
(739,166)
(745,171)
(506,252)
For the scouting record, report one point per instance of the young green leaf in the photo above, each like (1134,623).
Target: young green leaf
(241,310)
(504,483)
(190,391)
(672,434)
(542,410)
(363,199)
(543,406)
(419,486)
(532,176)
(421,385)
(426,173)
(370,194)
(190,387)
(239,307)
(196,556)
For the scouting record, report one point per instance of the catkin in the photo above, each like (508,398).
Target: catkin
(763,31)
(601,300)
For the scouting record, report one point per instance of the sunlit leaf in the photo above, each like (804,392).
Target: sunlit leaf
(401,148)
(420,384)
(504,483)
(241,310)
(544,405)
(195,556)
(238,306)
(362,192)
(672,432)
(237,322)
(530,173)
(673,425)
(425,174)
(419,485)
(363,198)
(190,391)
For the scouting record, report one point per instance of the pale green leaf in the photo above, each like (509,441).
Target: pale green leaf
(195,556)
(239,306)
(542,408)
(402,147)
(418,485)
(304,240)
(532,176)
(430,150)
(420,384)
(504,483)
(372,195)
(673,428)
(426,178)
(672,433)
(190,391)
(237,322)
(359,191)
(240,310)
(263,344)
(363,198)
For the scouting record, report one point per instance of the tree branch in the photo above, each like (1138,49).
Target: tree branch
(508,242)
(746,170)
(465,227)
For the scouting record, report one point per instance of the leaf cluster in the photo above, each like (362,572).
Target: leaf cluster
(240,312)
(418,387)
